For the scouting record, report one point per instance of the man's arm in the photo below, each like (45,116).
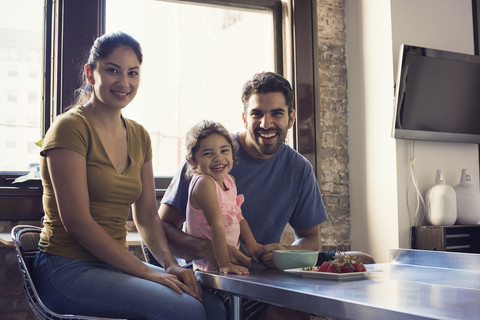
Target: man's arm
(191,248)
(183,245)
(308,239)
(305,239)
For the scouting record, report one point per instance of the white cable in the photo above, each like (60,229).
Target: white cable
(414,181)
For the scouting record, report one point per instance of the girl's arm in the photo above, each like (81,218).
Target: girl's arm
(254,249)
(69,178)
(204,197)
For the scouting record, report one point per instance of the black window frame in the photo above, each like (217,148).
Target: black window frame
(71,27)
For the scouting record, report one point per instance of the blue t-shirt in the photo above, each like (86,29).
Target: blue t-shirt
(277,190)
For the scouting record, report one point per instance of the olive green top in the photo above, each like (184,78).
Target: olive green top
(110,193)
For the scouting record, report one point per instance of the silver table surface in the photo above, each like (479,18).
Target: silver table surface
(416,284)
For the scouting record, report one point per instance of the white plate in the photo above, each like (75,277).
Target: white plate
(329,275)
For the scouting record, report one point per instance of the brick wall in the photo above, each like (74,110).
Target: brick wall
(333,130)
(13,304)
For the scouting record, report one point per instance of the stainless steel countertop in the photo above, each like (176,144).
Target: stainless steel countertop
(416,284)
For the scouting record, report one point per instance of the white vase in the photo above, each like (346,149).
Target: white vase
(441,203)
(468,200)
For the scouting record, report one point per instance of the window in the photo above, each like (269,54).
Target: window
(12,70)
(53,40)
(33,98)
(11,97)
(20,35)
(3,52)
(196,59)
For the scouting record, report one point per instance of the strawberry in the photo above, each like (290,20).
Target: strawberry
(357,266)
(343,263)
(363,266)
(323,267)
(332,267)
(347,267)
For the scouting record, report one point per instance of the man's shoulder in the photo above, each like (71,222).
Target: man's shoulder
(287,154)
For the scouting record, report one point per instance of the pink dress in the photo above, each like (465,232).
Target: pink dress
(230,202)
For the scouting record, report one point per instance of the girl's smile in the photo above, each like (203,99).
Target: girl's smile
(214,157)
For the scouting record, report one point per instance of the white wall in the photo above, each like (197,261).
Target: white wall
(373,182)
(379,164)
(449,26)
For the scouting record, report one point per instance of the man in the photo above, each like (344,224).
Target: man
(277,182)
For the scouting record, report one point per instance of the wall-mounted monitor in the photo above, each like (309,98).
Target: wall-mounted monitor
(437,96)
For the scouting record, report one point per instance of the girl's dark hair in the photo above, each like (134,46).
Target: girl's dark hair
(102,47)
(200,131)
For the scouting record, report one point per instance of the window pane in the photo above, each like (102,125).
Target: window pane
(196,59)
(20,83)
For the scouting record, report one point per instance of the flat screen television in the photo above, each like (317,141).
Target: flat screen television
(437,96)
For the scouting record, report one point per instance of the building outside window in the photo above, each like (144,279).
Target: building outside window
(196,59)
(20,93)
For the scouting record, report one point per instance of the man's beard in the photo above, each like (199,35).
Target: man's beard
(269,149)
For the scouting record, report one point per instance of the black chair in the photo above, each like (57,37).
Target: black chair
(26,239)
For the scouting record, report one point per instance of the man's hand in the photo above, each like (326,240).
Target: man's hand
(364,257)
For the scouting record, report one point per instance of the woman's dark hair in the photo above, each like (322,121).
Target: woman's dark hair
(102,48)
(267,82)
(200,131)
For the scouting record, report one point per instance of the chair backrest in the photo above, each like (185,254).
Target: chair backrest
(27,243)
(149,258)
(26,240)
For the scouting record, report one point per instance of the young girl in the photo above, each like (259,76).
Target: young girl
(213,208)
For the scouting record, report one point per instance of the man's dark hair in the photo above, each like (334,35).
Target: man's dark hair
(267,82)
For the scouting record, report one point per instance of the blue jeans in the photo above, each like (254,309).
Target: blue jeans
(97,289)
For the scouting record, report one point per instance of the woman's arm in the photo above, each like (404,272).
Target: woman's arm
(148,222)
(151,229)
(204,197)
(69,178)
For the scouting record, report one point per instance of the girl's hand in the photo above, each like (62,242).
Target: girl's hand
(256,250)
(237,257)
(267,256)
(233,268)
(187,276)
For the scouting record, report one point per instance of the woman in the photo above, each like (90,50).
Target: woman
(95,165)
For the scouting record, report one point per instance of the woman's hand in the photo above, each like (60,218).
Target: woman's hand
(188,278)
(169,280)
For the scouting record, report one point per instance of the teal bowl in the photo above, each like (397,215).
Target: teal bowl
(292,259)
